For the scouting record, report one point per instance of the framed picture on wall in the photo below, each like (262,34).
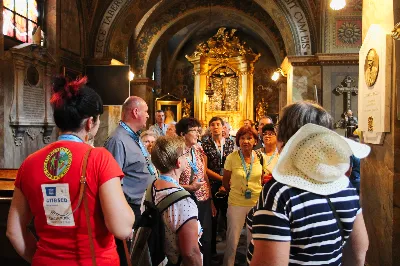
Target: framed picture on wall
(172,110)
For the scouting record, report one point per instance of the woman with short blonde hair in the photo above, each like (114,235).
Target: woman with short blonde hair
(182,229)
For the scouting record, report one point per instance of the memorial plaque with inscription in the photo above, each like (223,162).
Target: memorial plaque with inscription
(33,104)
(374,89)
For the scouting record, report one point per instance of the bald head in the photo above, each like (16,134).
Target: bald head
(129,104)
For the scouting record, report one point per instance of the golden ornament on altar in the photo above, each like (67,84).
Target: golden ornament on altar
(261,109)
(223,45)
(185,109)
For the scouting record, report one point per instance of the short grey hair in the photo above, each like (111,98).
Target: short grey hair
(166,152)
(148,133)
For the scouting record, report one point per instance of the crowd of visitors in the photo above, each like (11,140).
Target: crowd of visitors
(294,184)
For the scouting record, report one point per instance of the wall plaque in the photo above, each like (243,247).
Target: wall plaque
(30,107)
(375,70)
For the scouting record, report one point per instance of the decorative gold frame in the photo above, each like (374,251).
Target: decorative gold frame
(162,105)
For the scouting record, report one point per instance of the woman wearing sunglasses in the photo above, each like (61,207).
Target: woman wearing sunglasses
(270,150)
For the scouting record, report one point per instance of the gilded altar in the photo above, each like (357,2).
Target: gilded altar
(223,84)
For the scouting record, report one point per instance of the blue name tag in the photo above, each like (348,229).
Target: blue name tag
(247,194)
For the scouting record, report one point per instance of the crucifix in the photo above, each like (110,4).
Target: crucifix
(347,90)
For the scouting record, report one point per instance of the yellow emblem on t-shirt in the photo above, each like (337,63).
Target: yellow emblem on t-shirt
(57,163)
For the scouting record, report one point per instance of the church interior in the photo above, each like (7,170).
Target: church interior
(205,58)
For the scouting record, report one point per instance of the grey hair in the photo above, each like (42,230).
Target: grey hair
(227,125)
(148,133)
(166,152)
(297,115)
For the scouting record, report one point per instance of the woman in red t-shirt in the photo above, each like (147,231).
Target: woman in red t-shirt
(47,189)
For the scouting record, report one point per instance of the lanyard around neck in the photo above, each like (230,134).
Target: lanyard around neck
(247,171)
(70,137)
(193,162)
(136,138)
(169,179)
(272,157)
(220,152)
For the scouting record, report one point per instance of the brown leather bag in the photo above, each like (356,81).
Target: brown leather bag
(83,195)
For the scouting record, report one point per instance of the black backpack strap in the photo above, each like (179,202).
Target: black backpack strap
(338,221)
(171,199)
(149,192)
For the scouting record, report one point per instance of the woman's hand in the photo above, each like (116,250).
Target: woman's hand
(196,185)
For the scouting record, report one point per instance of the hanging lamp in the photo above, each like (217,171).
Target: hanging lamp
(337,4)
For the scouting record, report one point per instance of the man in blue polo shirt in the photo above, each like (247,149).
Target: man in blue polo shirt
(129,151)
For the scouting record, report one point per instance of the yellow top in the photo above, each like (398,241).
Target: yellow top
(233,163)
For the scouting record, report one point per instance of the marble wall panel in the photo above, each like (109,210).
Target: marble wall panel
(305,78)
(108,122)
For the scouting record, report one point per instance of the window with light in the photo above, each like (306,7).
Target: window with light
(20,19)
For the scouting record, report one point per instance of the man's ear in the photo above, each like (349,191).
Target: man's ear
(134,112)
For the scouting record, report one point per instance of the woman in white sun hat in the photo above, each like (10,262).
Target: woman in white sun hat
(309,213)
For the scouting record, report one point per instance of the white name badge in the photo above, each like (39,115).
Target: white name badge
(57,205)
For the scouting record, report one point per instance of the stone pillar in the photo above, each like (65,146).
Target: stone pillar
(143,87)
(380,171)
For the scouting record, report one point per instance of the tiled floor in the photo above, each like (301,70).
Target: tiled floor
(240,252)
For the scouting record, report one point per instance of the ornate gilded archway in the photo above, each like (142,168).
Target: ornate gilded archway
(223,69)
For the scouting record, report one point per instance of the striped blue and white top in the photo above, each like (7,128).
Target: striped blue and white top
(285,213)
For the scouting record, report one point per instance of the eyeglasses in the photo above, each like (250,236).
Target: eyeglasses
(195,130)
(269,133)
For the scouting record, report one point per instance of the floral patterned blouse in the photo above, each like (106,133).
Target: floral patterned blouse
(204,192)
(214,156)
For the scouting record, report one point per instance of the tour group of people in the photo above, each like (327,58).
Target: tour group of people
(288,182)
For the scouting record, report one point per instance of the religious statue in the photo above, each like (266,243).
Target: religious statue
(261,109)
(185,109)
(348,122)
(371,67)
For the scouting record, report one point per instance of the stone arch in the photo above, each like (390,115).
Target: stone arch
(259,20)
(199,15)
(288,16)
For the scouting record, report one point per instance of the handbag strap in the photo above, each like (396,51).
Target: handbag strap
(338,221)
(83,195)
(126,251)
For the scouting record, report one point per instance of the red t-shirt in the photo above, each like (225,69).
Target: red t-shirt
(49,180)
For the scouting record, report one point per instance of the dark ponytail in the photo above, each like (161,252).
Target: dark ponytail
(73,102)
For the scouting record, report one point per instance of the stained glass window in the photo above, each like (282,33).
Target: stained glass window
(20,18)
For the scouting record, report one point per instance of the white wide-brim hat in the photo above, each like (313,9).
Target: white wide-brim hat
(316,159)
